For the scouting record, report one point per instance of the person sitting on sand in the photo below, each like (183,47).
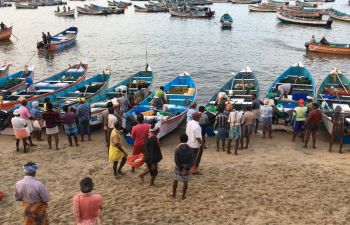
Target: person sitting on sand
(247,123)
(153,154)
(183,158)
(19,126)
(69,119)
(33,195)
(221,126)
(87,206)
(194,133)
(117,151)
(52,120)
(312,124)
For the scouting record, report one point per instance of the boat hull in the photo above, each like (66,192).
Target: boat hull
(305,22)
(70,13)
(4,70)
(20,85)
(245,1)
(5,34)
(328,49)
(192,15)
(61,44)
(253,8)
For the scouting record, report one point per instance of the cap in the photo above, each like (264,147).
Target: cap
(16,112)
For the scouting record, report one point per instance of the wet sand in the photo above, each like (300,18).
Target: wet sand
(275,181)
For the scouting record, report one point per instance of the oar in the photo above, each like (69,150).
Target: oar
(325,102)
(15,36)
(86,87)
(342,84)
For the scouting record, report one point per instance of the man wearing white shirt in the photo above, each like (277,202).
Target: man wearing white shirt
(194,133)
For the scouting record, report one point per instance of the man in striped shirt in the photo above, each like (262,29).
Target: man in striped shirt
(84,115)
(221,126)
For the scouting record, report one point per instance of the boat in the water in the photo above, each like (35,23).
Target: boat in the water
(108,10)
(286,18)
(150,9)
(70,13)
(4,70)
(331,48)
(25,6)
(300,12)
(333,91)
(120,4)
(15,81)
(89,11)
(303,87)
(142,79)
(262,7)
(338,15)
(278,3)
(306,4)
(5,4)
(5,34)
(226,21)
(60,41)
(181,93)
(46,87)
(239,90)
(246,1)
(197,13)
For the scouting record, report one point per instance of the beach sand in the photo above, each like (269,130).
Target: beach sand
(275,181)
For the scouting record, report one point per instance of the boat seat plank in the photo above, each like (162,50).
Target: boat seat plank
(306,85)
(179,85)
(240,79)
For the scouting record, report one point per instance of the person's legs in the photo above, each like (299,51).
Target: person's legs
(82,127)
(223,144)
(236,147)
(89,130)
(30,141)
(331,141)
(247,142)
(175,183)
(307,137)
(17,144)
(56,141)
(217,143)
(184,190)
(122,163)
(269,129)
(24,140)
(39,135)
(341,137)
(154,173)
(264,131)
(229,146)
(106,138)
(49,140)
(314,138)
(203,139)
(199,157)
(256,125)
(70,140)
(115,166)
(76,140)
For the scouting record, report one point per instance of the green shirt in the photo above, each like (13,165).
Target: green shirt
(300,113)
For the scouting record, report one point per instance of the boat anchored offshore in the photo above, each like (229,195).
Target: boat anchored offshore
(226,21)
(59,41)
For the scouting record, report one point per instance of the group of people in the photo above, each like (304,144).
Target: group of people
(323,40)
(28,122)
(64,9)
(46,39)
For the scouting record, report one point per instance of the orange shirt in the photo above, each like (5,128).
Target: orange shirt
(87,206)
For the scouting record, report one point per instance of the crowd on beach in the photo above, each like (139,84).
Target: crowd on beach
(231,124)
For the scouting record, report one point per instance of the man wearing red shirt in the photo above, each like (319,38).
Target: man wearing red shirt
(312,124)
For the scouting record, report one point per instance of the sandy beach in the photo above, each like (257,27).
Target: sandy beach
(275,181)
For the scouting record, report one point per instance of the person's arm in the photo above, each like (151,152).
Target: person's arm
(120,147)
(177,160)
(216,121)
(198,136)
(133,135)
(18,195)
(76,210)
(44,194)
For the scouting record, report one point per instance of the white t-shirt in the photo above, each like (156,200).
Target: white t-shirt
(285,88)
(193,131)
(235,118)
(266,111)
(18,123)
(111,120)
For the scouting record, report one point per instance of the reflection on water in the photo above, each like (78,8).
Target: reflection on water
(198,46)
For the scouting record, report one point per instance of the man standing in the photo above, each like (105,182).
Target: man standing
(34,196)
(300,117)
(84,115)
(221,126)
(139,95)
(183,162)
(192,110)
(311,124)
(203,122)
(70,126)
(124,103)
(117,151)
(256,110)
(247,123)
(266,118)
(194,133)
(20,129)
(234,119)
(52,120)
(27,116)
(338,128)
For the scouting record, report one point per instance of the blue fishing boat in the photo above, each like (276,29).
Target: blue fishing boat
(238,90)
(15,81)
(181,93)
(59,41)
(142,79)
(303,87)
(226,21)
(46,87)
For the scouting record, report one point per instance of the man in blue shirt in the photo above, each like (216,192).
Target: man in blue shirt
(84,115)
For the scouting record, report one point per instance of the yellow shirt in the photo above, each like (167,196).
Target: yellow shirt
(116,138)
(300,113)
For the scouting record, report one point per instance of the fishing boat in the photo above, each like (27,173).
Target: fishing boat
(142,79)
(226,21)
(192,13)
(239,90)
(285,18)
(46,87)
(16,81)
(4,4)
(121,4)
(150,9)
(303,87)
(338,15)
(5,34)
(89,11)
(108,10)
(333,91)
(262,7)
(70,13)
(300,12)
(305,4)
(278,3)
(181,93)
(332,48)
(60,41)
(246,1)
(25,6)
(4,70)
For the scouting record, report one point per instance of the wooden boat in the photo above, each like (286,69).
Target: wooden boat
(15,81)
(338,15)
(46,87)
(150,9)
(25,6)
(246,1)
(142,78)
(4,70)
(283,17)
(87,89)
(305,4)
(303,88)
(89,11)
(4,4)
(181,93)
(121,4)
(332,48)
(300,12)
(333,91)
(277,3)
(226,21)
(262,7)
(70,13)
(319,0)
(60,41)
(5,34)
(108,10)
(192,13)
(239,90)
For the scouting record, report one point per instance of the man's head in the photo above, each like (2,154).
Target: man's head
(314,105)
(301,102)
(253,96)
(139,88)
(46,100)
(194,105)
(117,125)
(35,104)
(24,103)
(49,106)
(140,118)
(111,110)
(30,168)
(183,138)
(86,185)
(161,88)
(221,108)
(109,105)
(65,108)
(201,109)
(248,108)
(124,92)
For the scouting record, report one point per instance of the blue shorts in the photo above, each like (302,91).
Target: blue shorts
(222,133)
(204,129)
(298,126)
